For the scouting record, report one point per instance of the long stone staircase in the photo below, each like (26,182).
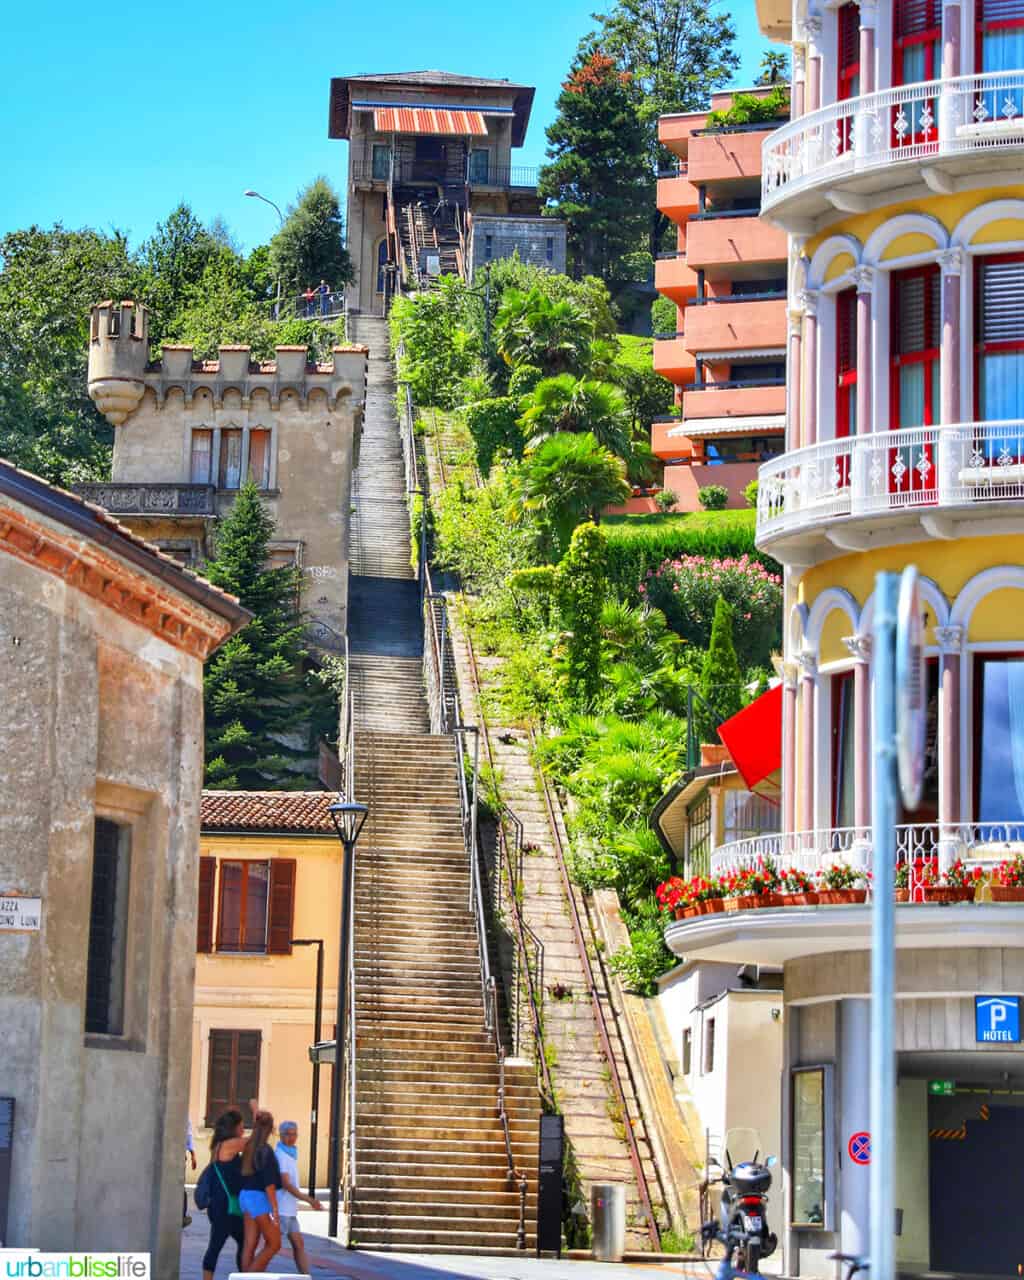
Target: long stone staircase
(432,1168)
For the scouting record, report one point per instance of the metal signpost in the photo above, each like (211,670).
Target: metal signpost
(898,728)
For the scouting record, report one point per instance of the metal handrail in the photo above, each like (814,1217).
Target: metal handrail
(599,1015)
(347,755)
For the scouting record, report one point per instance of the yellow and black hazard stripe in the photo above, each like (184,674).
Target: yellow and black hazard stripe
(949,1135)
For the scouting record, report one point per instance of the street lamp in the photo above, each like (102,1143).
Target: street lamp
(256,196)
(314,1109)
(348,817)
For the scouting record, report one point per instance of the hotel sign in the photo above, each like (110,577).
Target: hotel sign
(997,1019)
(20,915)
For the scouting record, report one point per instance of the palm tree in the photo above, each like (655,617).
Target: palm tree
(568,479)
(532,329)
(578,405)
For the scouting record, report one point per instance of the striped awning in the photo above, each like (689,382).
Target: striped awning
(429,120)
(695,428)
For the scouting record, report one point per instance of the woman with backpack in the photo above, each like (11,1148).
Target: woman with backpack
(261,1178)
(220,1184)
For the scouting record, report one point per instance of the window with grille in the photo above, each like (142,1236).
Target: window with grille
(916,335)
(999,310)
(698,835)
(108,929)
(233,1075)
(709,1046)
(202,452)
(229,472)
(748,814)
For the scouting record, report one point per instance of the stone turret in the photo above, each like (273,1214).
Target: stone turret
(118,355)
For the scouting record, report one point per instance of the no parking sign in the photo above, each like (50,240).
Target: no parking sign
(859,1147)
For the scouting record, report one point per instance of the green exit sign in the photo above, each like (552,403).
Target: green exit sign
(942,1088)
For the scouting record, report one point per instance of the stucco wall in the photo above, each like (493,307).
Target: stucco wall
(100,717)
(528,237)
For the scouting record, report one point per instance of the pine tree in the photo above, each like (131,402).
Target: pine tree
(598,180)
(721,684)
(264,706)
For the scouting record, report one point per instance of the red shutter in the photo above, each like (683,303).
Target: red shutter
(204,916)
(846,331)
(849,36)
(914,17)
(282,906)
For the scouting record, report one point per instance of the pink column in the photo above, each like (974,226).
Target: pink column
(950,41)
(789,746)
(809,302)
(864,277)
(798,97)
(949,375)
(805,799)
(813,83)
(950,644)
(860,647)
(867,54)
(795,378)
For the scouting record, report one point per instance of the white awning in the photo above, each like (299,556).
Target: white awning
(744,353)
(693,428)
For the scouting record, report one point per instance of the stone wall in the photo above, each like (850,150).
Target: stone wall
(540,241)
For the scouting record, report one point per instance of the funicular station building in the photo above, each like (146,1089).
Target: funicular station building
(899,183)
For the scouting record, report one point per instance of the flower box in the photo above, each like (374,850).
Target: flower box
(841,897)
(1007,893)
(711,906)
(809,899)
(746,903)
(947,893)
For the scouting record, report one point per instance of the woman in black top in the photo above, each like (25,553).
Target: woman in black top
(226,1147)
(261,1177)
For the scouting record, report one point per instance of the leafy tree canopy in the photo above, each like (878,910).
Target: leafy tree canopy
(566,480)
(310,245)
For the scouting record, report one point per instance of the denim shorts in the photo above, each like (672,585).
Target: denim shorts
(254,1203)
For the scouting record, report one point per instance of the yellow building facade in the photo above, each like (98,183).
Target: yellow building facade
(898,181)
(270,873)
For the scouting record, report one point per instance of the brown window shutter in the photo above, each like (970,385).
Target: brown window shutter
(204,916)
(282,906)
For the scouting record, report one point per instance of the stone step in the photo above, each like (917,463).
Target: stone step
(401,1199)
(419,1239)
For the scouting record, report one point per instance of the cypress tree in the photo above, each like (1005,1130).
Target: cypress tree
(264,706)
(721,684)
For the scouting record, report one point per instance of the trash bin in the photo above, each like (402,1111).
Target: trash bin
(608,1221)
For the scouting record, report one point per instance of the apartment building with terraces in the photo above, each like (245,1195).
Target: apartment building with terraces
(727,277)
(899,184)
(433,185)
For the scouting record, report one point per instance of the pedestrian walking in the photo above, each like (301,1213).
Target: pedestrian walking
(226,1146)
(261,1180)
(325,296)
(290,1193)
(190,1152)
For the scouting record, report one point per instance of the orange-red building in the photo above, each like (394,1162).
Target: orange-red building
(727,278)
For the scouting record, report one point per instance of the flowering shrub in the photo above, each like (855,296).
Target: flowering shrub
(757,880)
(793,880)
(840,875)
(677,893)
(686,588)
(959,875)
(1010,874)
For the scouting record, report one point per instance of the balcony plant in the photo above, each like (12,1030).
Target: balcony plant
(673,897)
(958,884)
(901,882)
(840,884)
(752,886)
(796,888)
(1008,882)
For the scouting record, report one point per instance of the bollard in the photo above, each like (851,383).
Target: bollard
(608,1221)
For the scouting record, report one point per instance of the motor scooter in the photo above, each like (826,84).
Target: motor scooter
(742,1224)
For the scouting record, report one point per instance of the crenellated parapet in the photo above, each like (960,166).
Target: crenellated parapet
(120,370)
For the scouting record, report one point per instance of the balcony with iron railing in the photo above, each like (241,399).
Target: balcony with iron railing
(416,172)
(935,475)
(847,151)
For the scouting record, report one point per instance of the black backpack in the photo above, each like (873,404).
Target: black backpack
(205,1187)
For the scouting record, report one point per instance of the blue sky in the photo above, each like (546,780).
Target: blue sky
(113,113)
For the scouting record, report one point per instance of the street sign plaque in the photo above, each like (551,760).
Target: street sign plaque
(911,692)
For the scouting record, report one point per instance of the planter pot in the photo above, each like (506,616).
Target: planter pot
(902,895)
(711,906)
(679,913)
(692,910)
(808,899)
(1006,893)
(744,904)
(948,893)
(841,897)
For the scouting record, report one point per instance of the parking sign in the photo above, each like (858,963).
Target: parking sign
(997,1019)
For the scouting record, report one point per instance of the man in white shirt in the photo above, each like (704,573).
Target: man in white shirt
(290,1193)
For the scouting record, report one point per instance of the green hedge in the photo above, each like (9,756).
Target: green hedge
(639,543)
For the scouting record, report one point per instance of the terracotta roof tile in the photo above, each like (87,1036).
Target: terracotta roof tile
(278,811)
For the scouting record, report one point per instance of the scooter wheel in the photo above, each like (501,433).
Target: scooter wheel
(751,1256)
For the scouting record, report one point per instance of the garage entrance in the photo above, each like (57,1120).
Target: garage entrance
(974,1151)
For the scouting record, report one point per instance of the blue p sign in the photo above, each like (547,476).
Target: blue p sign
(997,1019)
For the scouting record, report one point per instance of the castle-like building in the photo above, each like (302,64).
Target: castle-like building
(899,181)
(188,432)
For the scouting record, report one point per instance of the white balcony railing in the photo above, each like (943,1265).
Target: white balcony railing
(982,844)
(911,122)
(918,468)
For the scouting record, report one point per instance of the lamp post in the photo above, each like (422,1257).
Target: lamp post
(348,817)
(314,1108)
(256,196)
